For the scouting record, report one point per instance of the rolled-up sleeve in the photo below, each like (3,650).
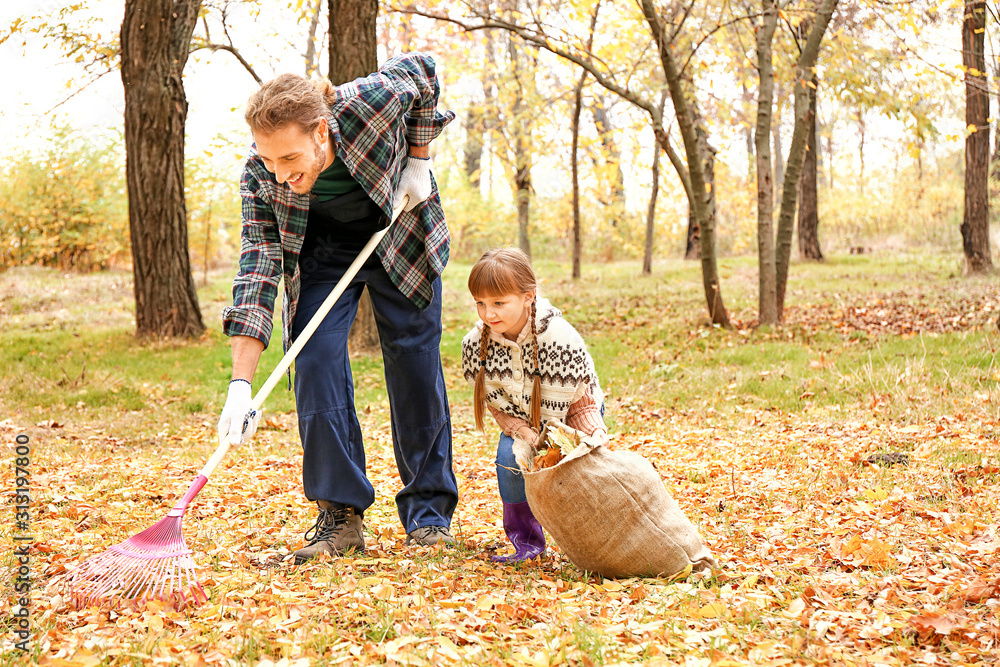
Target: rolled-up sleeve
(585,414)
(507,423)
(415,80)
(255,287)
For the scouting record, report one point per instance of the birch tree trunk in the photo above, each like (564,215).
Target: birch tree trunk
(796,153)
(767,303)
(311,55)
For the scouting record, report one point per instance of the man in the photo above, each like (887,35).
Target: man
(329,165)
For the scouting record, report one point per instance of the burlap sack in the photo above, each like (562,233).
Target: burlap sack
(609,513)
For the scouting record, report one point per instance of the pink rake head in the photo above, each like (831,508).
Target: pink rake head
(156,564)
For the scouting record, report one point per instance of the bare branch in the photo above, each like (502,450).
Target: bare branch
(678,24)
(94,79)
(546,43)
(710,33)
(197,46)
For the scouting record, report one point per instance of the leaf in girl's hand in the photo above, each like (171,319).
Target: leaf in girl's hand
(551,457)
(559,439)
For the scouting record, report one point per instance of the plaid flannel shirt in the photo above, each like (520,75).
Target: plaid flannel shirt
(372,121)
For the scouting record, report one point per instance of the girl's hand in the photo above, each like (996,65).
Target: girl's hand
(528,434)
(601,436)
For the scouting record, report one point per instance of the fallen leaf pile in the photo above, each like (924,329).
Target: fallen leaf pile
(845,534)
(898,313)
(880,313)
(827,554)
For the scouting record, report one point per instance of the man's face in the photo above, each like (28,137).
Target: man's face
(293,156)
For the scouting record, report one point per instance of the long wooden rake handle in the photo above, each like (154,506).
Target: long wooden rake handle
(293,351)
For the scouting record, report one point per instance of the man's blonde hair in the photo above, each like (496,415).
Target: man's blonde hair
(288,99)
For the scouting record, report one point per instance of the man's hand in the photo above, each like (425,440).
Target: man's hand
(415,181)
(237,412)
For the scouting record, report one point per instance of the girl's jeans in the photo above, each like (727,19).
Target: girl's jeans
(509,478)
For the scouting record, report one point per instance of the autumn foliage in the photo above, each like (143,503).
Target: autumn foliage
(844,471)
(64,207)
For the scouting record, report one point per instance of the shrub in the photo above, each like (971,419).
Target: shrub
(66,206)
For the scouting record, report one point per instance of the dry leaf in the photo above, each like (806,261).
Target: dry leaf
(933,624)
(979,590)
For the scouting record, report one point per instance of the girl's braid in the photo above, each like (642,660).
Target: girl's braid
(479,393)
(536,388)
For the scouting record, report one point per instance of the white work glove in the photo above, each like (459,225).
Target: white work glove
(415,181)
(237,412)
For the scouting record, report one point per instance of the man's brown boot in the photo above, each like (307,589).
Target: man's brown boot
(337,530)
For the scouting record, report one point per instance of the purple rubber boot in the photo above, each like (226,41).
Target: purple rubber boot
(524,532)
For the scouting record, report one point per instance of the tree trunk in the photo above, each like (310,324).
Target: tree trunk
(692,244)
(155,40)
(311,55)
(353,39)
(767,294)
(748,135)
(692,250)
(829,158)
(779,151)
(613,155)
(995,160)
(707,153)
(522,153)
(975,221)
(490,114)
(473,151)
(575,169)
(808,195)
(796,153)
(522,184)
(647,258)
(611,150)
(353,54)
(577,108)
(861,150)
(818,140)
(703,198)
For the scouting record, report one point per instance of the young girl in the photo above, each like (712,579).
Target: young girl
(529,366)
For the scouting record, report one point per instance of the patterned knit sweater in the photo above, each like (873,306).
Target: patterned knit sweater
(568,378)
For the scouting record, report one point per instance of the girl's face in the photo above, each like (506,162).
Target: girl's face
(506,314)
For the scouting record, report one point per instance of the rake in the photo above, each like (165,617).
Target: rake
(157,564)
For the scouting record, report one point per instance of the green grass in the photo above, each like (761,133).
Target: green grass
(70,352)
